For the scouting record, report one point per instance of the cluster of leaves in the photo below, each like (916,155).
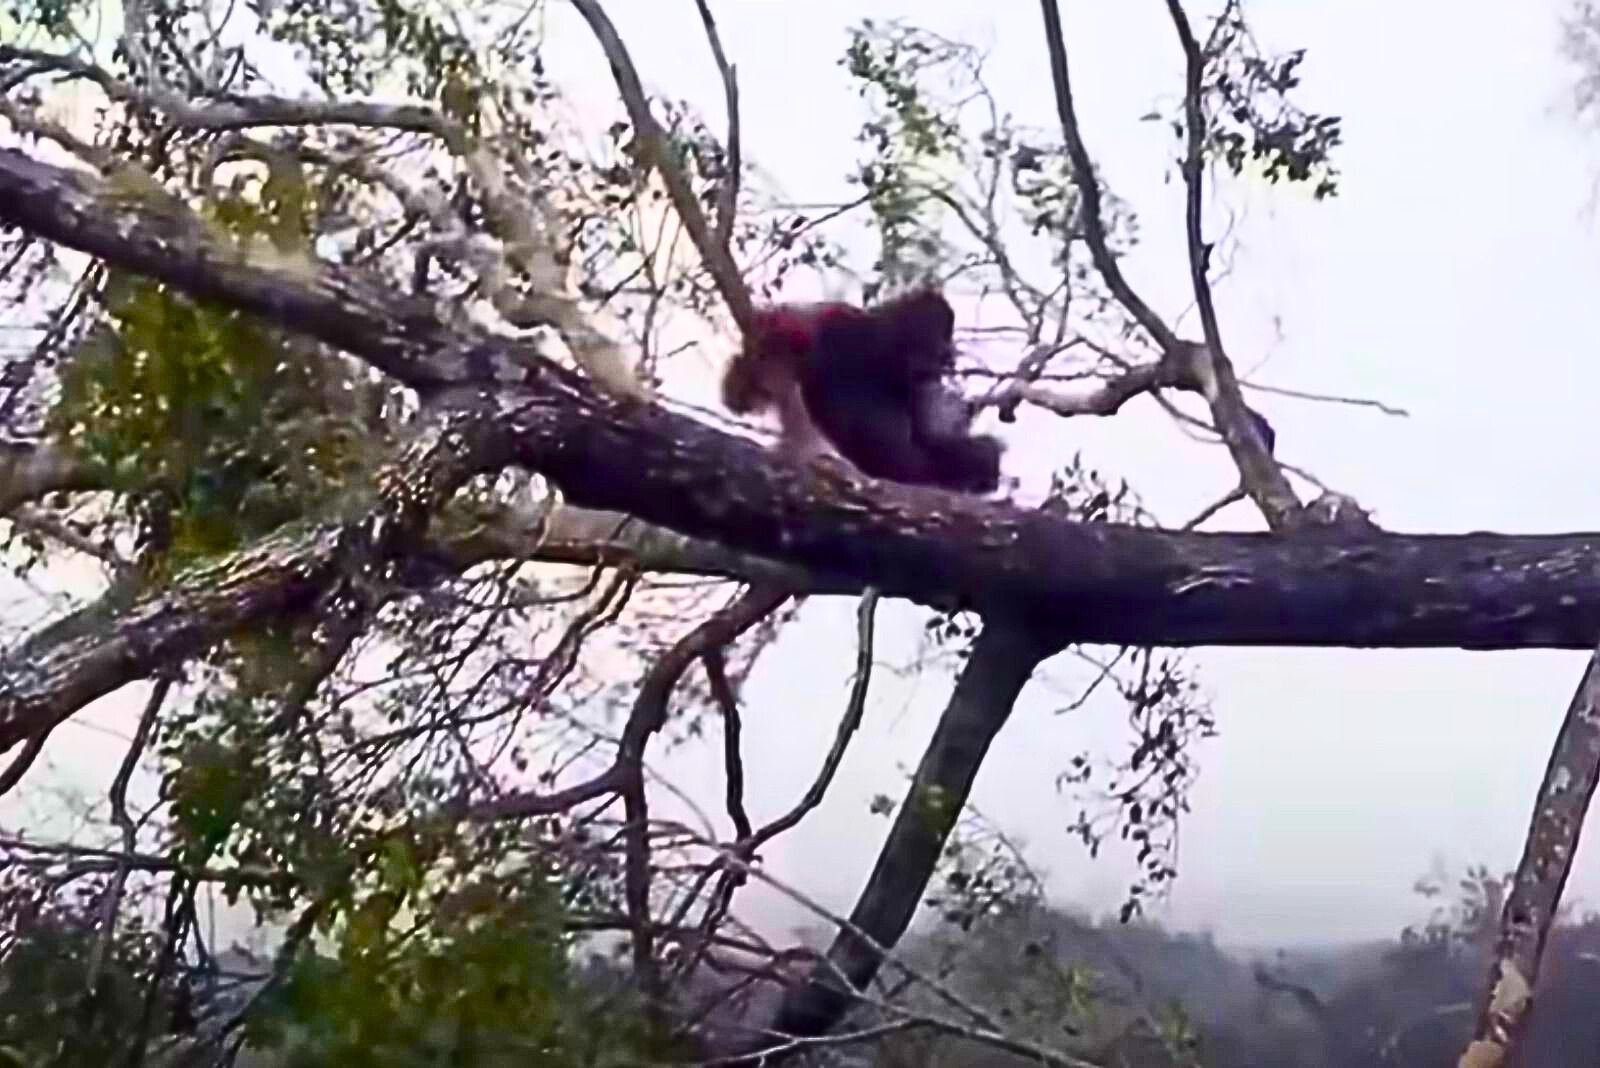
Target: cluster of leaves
(440,952)
(234,794)
(1461,925)
(1086,495)
(219,427)
(1253,119)
(343,42)
(1149,790)
(54,18)
(49,1012)
(1042,179)
(981,875)
(928,165)
(441,943)
(908,136)
(458,959)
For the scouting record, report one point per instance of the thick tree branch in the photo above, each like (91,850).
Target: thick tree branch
(1317,588)
(47,679)
(1559,810)
(139,230)
(231,112)
(1002,660)
(476,535)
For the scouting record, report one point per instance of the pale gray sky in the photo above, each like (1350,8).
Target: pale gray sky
(1456,276)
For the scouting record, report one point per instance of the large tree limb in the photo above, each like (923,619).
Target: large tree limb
(49,677)
(1087,582)
(139,230)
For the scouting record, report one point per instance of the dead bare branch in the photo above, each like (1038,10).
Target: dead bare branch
(652,149)
(111,903)
(649,715)
(732,760)
(849,722)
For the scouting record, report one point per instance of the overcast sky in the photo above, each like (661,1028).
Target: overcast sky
(1455,276)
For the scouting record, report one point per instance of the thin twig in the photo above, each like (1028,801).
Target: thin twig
(866,614)
(1233,496)
(732,761)
(750,843)
(1330,398)
(112,902)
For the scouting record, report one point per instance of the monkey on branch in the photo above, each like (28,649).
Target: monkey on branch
(868,384)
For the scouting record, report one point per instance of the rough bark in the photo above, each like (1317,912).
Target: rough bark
(1530,909)
(1078,582)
